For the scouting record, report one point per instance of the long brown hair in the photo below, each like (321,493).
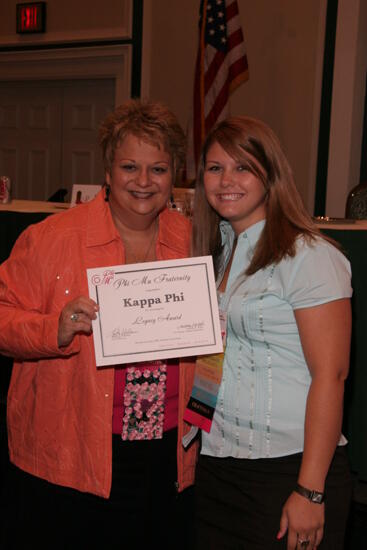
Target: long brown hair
(253,144)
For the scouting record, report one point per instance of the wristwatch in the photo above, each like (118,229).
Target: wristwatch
(312,496)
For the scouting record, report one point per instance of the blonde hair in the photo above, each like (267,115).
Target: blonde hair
(253,144)
(150,121)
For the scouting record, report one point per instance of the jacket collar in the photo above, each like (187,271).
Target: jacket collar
(169,232)
(100,227)
(102,230)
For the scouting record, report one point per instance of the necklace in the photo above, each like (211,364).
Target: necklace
(136,259)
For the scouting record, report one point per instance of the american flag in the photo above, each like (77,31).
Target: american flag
(221,66)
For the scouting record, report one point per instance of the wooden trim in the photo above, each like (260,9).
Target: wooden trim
(71,63)
(325,110)
(363,169)
(137,35)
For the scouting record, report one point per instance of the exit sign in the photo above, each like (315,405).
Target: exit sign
(31,17)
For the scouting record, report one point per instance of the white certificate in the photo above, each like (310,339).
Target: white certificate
(155,310)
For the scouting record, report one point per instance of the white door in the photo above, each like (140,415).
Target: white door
(49,134)
(85,106)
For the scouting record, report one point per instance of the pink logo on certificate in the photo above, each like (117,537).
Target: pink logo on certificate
(103,279)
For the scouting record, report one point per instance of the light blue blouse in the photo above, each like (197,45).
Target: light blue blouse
(261,404)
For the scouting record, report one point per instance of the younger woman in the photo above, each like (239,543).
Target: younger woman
(275,450)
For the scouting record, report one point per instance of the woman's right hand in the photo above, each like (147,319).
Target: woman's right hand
(76,317)
(304,521)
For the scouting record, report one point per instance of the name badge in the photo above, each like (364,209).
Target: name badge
(204,394)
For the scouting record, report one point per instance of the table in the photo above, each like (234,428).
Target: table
(17,215)
(353,239)
(352,236)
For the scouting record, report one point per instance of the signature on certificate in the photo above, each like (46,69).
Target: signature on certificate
(122,333)
(189,327)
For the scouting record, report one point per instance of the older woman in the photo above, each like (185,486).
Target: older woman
(77,472)
(275,448)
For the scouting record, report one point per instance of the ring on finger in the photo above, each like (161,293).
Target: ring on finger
(304,543)
(74,317)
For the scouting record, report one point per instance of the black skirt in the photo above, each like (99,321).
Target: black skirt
(143,509)
(239,501)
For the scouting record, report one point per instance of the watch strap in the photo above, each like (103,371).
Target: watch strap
(312,496)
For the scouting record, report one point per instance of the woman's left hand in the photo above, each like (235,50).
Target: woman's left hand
(304,521)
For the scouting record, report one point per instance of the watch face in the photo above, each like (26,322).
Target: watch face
(313,496)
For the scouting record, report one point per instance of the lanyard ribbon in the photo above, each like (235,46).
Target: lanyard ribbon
(208,376)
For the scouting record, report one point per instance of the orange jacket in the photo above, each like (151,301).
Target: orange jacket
(59,403)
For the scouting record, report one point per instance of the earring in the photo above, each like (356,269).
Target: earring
(108,191)
(171,203)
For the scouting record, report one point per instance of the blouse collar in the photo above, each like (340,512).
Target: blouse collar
(251,234)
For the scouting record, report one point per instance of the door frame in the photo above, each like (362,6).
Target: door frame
(107,61)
